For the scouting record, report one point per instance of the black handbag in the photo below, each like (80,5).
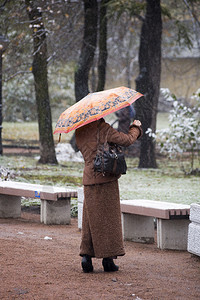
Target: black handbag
(109,158)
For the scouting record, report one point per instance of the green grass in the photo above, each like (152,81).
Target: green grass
(18,131)
(27,169)
(167,183)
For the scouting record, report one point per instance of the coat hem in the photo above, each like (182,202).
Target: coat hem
(104,255)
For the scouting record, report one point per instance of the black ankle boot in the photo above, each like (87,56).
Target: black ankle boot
(109,265)
(87,264)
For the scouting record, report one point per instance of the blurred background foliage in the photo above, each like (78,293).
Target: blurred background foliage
(64,28)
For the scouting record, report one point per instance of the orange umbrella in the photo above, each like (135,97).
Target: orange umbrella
(95,106)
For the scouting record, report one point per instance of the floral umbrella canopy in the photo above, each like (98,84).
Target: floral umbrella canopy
(95,106)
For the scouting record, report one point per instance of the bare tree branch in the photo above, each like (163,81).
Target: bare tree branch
(16,74)
(2,6)
(191,12)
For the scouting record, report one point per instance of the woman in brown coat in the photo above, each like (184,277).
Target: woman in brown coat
(101,223)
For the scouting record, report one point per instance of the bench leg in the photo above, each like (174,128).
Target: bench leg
(10,206)
(172,234)
(138,228)
(193,245)
(80,207)
(55,212)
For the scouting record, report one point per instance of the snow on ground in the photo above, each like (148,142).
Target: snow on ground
(65,152)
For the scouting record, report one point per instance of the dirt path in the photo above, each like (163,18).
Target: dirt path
(32,267)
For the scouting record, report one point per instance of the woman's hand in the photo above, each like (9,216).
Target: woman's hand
(137,123)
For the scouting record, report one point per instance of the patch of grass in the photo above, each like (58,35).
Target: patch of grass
(26,169)
(30,202)
(154,186)
(28,131)
(54,179)
(20,130)
(167,183)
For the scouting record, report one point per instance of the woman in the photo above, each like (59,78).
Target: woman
(101,223)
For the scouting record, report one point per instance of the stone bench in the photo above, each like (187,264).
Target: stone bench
(172,223)
(55,201)
(138,222)
(194,229)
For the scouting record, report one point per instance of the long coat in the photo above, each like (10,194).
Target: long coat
(101,228)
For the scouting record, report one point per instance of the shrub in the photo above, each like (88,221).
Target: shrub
(183,134)
(19,99)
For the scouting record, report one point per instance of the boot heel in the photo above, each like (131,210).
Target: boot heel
(87,264)
(109,265)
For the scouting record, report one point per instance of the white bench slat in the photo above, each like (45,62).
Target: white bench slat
(43,192)
(157,209)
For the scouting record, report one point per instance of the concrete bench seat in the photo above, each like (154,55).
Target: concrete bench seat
(55,201)
(172,222)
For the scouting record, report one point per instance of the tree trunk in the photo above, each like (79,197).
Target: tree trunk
(102,60)
(148,81)
(47,150)
(87,50)
(87,54)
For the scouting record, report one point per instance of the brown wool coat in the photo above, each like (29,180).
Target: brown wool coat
(86,140)
(101,222)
